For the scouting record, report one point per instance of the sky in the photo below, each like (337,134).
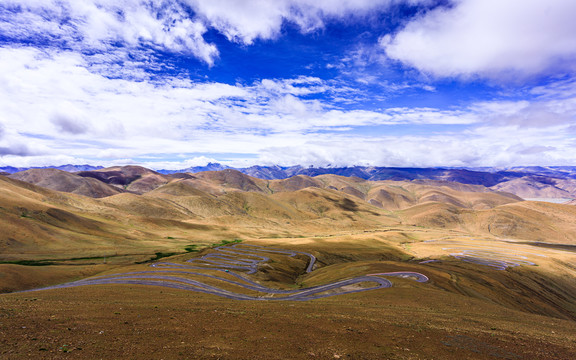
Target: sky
(170,84)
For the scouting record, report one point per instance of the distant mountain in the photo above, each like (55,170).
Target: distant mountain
(68,168)
(12,169)
(373,173)
(76,168)
(271,172)
(197,169)
(524,181)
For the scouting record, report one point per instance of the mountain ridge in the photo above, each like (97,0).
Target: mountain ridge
(532,182)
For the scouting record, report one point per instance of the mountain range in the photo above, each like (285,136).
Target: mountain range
(121,198)
(534,182)
(275,172)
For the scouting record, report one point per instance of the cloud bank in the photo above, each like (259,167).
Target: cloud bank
(129,81)
(489,38)
(58,107)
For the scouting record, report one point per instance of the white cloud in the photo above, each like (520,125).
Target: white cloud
(562,89)
(173,25)
(100,24)
(18,149)
(180,165)
(541,113)
(246,21)
(488,146)
(69,119)
(54,106)
(491,38)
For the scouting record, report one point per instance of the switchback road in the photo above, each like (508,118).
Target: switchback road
(239,258)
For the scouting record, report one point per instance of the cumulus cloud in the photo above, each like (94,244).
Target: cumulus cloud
(56,106)
(69,119)
(485,146)
(245,21)
(540,113)
(489,38)
(100,25)
(15,149)
(172,25)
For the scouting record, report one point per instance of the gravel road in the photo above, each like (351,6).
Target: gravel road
(239,258)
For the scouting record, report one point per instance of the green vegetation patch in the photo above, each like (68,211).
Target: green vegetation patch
(29,262)
(191,248)
(227,242)
(159,255)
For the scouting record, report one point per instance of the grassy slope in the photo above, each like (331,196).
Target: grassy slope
(458,314)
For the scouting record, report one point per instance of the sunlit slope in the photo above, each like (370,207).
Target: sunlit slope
(534,221)
(147,207)
(38,223)
(397,195)
(539,187)
(465,310)
(64,181)
(36,216)
(220,182)
(37,220)
(529,220)
(136,179)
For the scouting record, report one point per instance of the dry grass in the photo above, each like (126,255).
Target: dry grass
(407,321)
(467,310)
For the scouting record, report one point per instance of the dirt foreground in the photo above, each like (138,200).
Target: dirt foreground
(461,313)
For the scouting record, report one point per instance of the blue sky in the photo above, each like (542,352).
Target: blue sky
(173,84)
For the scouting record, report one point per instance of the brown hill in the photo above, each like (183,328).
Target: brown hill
(147,206)
(185,187)
(294,183)
(526,220)
(136,179)
(453,185)
(530,220)
(529,187)
(36,220)
(391,198)
(466,309)
(64,181)
(233,180)
(432,215)
(396,195)
(333,207)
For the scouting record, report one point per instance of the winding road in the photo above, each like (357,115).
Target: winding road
(492,258)
(238,257)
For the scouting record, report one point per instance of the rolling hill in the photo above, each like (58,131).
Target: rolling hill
(530,182)
(60,180)
(498,268)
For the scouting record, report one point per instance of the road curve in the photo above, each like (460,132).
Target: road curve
(496,258)
(239,257)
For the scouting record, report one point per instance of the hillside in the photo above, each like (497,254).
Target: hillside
(528,182)
(60,180)
(131,178)
(494,266)
(540,187)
